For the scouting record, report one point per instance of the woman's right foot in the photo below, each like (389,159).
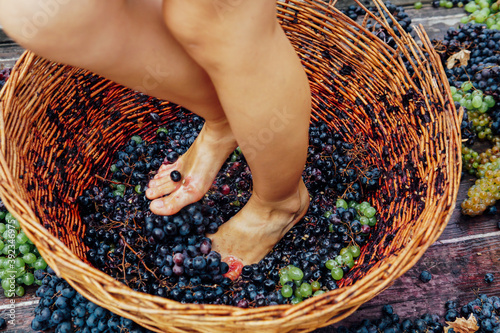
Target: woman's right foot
(198,167)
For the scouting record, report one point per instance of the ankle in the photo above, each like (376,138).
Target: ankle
(291,203)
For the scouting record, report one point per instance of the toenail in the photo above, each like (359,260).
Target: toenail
(157,204)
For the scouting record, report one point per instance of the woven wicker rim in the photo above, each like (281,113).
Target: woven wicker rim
(302,20)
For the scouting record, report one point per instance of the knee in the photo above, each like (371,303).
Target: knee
(218,33)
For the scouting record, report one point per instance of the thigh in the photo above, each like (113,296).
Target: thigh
(126,41)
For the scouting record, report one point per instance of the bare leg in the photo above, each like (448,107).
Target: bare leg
(266,97)
(128,42)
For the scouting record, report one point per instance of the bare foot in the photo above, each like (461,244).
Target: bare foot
(198,166)
(253,232)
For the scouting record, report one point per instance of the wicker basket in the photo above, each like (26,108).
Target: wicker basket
(60,127)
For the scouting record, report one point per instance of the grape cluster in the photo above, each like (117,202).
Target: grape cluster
(483,12)
(485,192)
(335,167)
(63,309)
(482,68)
(449,3)
(477,106)
(486,311)
(170,256)
(18,257)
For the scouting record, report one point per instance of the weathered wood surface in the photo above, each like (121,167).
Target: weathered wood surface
(468,249)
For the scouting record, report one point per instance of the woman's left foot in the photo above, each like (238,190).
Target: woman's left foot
(252,233)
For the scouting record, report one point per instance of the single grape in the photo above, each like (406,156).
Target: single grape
(306,290)
(29,258)
(296,300)
(337,273)
(296,273)
(417,5)
(287,291)
(39,264)
(25,248)
(341,203)
(315,285)
(28,279)
(330,264)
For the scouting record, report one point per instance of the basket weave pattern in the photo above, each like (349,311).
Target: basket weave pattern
(60,127)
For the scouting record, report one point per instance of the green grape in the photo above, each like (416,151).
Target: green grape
(466,86)
(137,139)
(337,273)
(35,252)
(364,220)
(4,274)
(3,227)
(25,248)
(483,108)
(296,273)
(481,17)
(284,279)
(340,260)
(118,193)
(470,7)
(462,101)
(344,251)
(6,264)
(457,97)
(315,285)
(9,217)
(464,20)
(352,204)
(494,7)
(3,260)
(296,292)
(121,188)
(442,3)
(296,300)
(6,283)
(355,251)
(306,290)
(161,129)
(20,291)
(350,263)
(370,212)
(453,91)
(19,262)
(330,264)
(318,292)
(29,258)
(2,215)
(489,101)
(137,189)
(287,291)
(38,282)
(495,27)
(372,221)
(417,5)
(449,4)
(21,238)
(28,279)
(113,168)
(327,214)
(20,271)
(341,203)
(2,244)
(9,293)
(347,256)
(489,22)
(19,280)
(39,264)
(330,228)
(484,4)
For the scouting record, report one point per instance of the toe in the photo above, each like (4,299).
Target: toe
(169,205)
(161,187)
